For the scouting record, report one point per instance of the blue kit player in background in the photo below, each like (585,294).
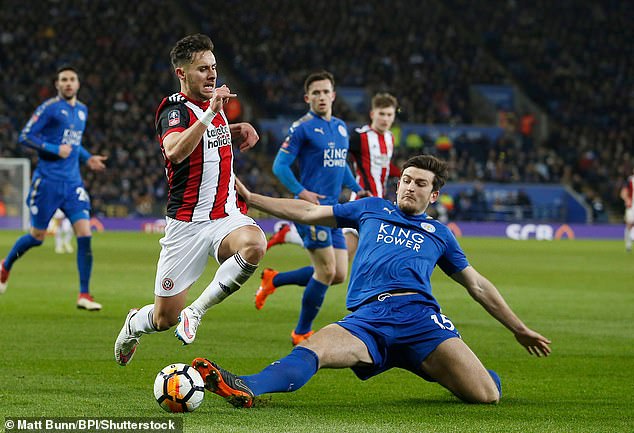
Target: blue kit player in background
(55,130)
(319,142)
(395,321)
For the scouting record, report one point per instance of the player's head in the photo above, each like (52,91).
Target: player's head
(420,183)
(67,82)
(383,111)
(319,92)
(195,66)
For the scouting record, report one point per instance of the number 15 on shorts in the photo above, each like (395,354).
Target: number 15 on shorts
(442,321)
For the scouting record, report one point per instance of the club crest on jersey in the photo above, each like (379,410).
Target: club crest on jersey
(428,227)
(82,116)
(322,236)
(342,130)
(167,284)
(173,118)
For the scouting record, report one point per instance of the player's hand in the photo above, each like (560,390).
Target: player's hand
(310,196)
(243,191)
(364,193)
(246,137)
(220,96)
(96,162)
(534,343)
(64,150)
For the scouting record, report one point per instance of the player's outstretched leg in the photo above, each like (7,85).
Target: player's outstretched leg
(126,343)
(225,384)
(188,321)
(266,287)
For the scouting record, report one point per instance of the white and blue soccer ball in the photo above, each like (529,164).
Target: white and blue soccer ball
(179,388)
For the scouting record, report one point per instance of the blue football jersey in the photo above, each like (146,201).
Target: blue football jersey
(321,149)
(56,122)
(396,251)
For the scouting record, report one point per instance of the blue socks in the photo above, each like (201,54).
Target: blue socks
(288,374)
(84,262)
(299,277)
(497,381)
(21,246)
(314,294)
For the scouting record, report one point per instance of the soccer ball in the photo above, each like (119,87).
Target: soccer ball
(179,388)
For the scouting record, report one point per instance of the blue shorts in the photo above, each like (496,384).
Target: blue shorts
(399,331)
(321,237)
(46,196)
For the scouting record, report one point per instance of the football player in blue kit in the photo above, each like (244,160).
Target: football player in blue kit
(319,142)
(395,321)
(55,131)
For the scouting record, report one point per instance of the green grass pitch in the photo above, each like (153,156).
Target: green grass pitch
(58,361)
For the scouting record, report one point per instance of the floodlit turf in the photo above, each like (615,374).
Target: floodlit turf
(58,361)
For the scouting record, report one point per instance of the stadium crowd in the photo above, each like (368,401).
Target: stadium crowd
(425,54)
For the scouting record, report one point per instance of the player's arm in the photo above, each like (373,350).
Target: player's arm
(244,135)
(487,295)
(30,136)
(299,211)
(178,145)
(282,170)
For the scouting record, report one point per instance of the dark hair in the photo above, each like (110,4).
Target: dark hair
(433,164)
(384,100)
(63,69)
(318,76)
(185,49)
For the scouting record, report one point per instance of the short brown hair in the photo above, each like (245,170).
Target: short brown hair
(384,100)
(64,69)
(185,49)
(318,76)
(430,163)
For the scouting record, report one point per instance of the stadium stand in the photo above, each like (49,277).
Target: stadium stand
(579,73)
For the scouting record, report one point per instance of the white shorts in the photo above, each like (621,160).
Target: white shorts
(352,231)
(629,215)
(186,248)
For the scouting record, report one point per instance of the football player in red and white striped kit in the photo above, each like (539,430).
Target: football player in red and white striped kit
(371,149)
(204,217)
(627,194)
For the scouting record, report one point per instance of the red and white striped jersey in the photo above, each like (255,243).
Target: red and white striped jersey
(629,186)
(371,154)
(202,187)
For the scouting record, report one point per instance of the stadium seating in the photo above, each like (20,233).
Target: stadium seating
(576,72)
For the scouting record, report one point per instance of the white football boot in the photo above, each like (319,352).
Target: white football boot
(188,321)
(126,343)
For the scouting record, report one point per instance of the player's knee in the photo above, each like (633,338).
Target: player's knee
(326,274)
(253,250)
(40,235)
(487,394)
(339,278)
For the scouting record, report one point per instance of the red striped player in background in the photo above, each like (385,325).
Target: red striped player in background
(371,148)
(204,217)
